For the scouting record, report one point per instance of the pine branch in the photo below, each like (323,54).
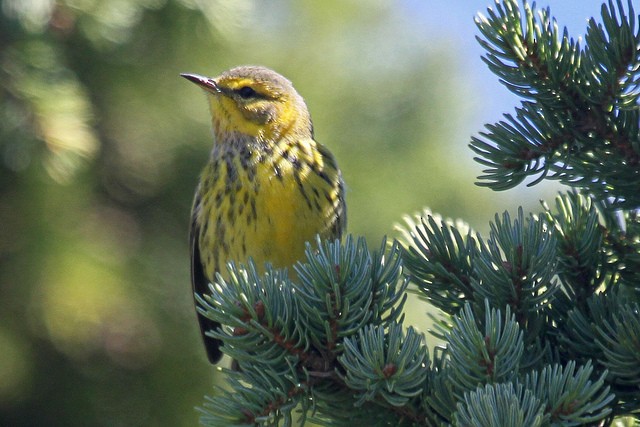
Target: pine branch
(296,332)
(517,266)
(583,266)
(438,256)
(483,357)
(263,397)
(501,405)
(386,364)
(579,123)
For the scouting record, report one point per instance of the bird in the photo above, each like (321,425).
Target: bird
(268,187)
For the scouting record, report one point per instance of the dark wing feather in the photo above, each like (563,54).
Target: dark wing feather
(341,211)
(339,220)
(200,286)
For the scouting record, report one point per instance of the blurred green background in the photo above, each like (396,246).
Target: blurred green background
(101,144)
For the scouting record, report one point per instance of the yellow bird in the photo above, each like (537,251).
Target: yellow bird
(268,187)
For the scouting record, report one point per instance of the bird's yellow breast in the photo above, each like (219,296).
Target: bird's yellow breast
(266,205)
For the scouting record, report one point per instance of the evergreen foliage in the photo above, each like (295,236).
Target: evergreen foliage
(541,320)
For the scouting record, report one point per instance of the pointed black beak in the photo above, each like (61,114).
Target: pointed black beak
(206,83)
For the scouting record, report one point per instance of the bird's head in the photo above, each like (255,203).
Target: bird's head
(254,101)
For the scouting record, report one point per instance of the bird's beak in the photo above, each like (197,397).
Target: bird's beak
(206,83)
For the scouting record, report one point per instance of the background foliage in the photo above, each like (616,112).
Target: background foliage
(100,146)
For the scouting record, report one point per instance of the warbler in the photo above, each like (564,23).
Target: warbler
(268,187)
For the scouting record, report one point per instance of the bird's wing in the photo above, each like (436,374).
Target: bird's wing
(200,286)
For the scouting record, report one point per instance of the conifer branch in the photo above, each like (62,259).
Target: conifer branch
(579,120)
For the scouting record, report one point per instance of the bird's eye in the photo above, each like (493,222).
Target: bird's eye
(246,92)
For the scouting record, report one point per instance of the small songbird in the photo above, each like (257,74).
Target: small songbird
(268,187)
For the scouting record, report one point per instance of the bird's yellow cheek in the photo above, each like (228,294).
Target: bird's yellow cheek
(260,112)
(227,118)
